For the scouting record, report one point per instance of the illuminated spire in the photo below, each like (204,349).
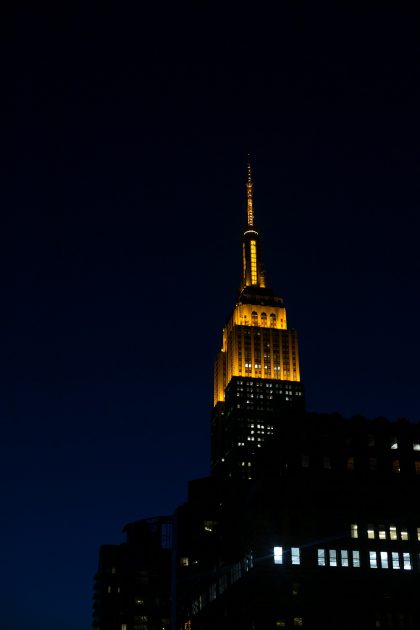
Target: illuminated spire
(250,207)
(253,274)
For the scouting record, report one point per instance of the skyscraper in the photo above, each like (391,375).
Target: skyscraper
(307,519)
(257,372)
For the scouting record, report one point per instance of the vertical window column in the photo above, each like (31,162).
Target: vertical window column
(278,555)
(395,560)
(295,551)
(321,558)
(333,557)
(373,560)
(384,559)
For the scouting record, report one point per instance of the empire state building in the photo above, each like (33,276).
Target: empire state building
(307,519)
(256,374)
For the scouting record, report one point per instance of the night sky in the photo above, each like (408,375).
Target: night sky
(132,139)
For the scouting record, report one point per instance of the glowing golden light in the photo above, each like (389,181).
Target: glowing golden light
(253,262)
(256,344)
(256,341)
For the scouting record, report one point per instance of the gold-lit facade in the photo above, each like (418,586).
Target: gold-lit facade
(257,379)
(256,341)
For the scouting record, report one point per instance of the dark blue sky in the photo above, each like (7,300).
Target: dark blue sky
(133,131)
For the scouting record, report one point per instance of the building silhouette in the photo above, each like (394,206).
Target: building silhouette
(133,582)
(327,534)
(307,519)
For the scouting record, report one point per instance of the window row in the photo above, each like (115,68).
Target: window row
(372,462)
(287,374)
(353,558)
(377,559)
(250,384)
(264,319)
(382,532)
(394,444)
(269,395)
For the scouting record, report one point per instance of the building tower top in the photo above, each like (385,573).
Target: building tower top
(256,373)
(250,206)
(252,275)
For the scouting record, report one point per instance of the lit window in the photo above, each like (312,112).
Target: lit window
(123,626)
(384,559)
(354,532)
(280,623)
(297,622)
(396,466)
(344,558)
(394,444)
(407,561)
(333,558)
(295,555)
(278,555)
(373,560)
(393,532)
(184,562)
(109,589)
(321,557)
(418,534)
(404,534)
(382,533)
(416,446)
(356,558)
(371,532)
(395,560)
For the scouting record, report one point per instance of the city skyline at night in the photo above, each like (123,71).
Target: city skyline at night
(133,134)
(279,476)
